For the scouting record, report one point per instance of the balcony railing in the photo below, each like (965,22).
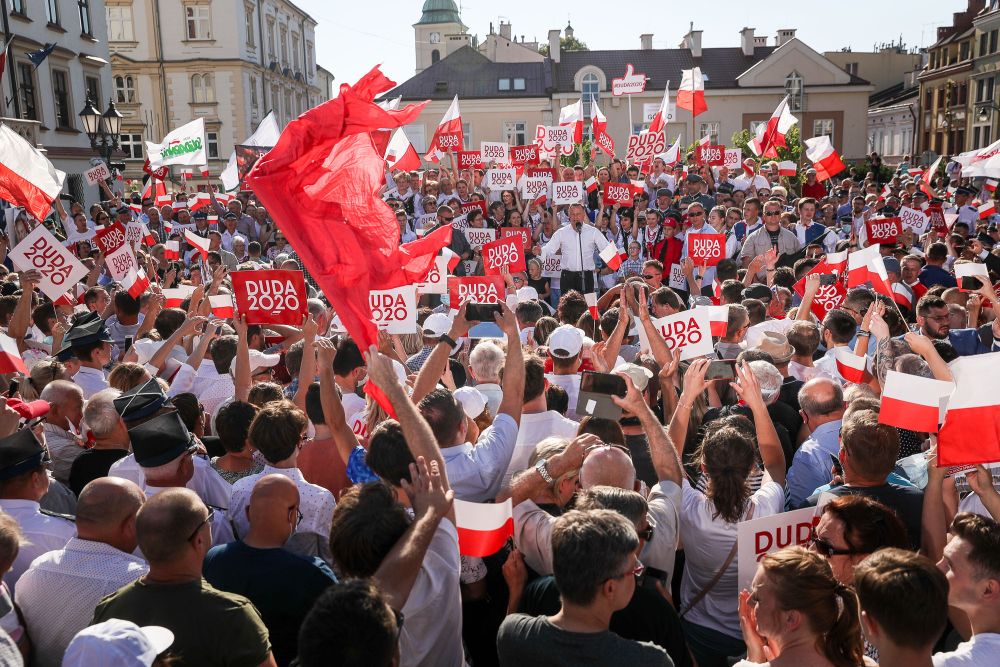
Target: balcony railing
(29,129)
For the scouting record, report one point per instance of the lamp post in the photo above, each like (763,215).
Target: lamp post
(103,130)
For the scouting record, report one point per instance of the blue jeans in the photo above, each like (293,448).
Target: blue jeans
(712,648)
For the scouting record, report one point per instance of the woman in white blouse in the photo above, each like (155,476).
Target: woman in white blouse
(709,590)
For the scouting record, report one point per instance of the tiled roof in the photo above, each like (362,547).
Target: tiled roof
(470,75)
(892,95)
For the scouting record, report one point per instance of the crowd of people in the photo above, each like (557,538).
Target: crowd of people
(180,488)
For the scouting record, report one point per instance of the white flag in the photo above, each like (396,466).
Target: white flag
(265,135)
(185,145)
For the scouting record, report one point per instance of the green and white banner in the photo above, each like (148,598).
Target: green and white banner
(185,145)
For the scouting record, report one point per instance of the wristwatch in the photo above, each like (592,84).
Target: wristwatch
(543,471)
(445,338)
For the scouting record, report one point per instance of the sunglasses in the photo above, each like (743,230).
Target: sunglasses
(696,214)
(825,549)
(772,213)
(447,219)
(634,571)
(647,276)
(207,519)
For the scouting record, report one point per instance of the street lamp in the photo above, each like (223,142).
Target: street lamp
(983,111)
(103,130)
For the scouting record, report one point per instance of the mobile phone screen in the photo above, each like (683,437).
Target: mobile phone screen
(603,383)
(721,369)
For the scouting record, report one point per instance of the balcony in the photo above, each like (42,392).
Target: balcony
(29,129)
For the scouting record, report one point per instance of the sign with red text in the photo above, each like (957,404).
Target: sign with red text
(394,310)
(706,249)
(733,159)
(42,251)
(485,289)
(712,155)
(677,280)
(503,256)
(567,193)
(914,219)
(109,239)
(270,297)
(631,83)
(496,152)
(548,172)
(500,179)
(827,297)
(121,262)
(617,193)
(133,233)
(758,537)
(437,278)
(883,230)
(522,233)
(97,174)
(479,236)
(473,205)
(524,154)
(533,187)
(935,216)
(687,333)
(552,266)
(554,139)
(470,160)
(644,146)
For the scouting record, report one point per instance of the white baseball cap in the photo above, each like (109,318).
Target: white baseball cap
(117,643)
(472,400)
(258,360)
(640,375)
(565,341)
(528,293)
(436,325)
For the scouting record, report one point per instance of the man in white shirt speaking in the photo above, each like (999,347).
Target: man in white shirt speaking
(577,243)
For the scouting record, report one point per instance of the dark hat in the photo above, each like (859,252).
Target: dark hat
(200,215)
(725,188)
(86,330)
(230,216)
(963,190)
(664,192)
(160,440)
(20,453)
(891,265)
(919,193)
(142,401)
(695,178)
(758,291)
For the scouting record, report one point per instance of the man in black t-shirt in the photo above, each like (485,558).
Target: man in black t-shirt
(111,441)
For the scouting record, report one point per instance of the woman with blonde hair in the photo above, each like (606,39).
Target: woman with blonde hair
(42,373)
(127,375)
(798,614)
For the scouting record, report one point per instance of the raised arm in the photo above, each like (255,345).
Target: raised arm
(923,346)
(768,443)
(435,364)
(513,369)
(242,378)
(665,457)
(333,409)
(20,320)
(307,369)
(693,387)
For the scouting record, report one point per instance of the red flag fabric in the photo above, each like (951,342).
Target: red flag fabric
(10,357)
(483,528)
(971,430)
(135,282)
(825,159)
(691,93)
(912,402)
(319,184)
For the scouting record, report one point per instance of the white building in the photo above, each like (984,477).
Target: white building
(230,61)
(45,102)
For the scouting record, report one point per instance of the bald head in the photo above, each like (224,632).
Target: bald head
(108,501)
(273,511)
(165,523)
(607,466)
(822,398)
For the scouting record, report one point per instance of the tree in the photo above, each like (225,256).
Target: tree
(565,44)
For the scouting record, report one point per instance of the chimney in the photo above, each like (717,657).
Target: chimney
(505,29)
(747,41)
(646,41)
(760,40)
(784,35)
(554,45)
(693,39)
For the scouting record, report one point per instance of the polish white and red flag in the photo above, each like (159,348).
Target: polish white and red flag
(135,282)
(483,528)
(912,402)
(971,430)
(572,115)
(10,358)
(867,266)
(691,92)
(27,178)
(453,259)
(705,141)
(199,200)
(591,299)
(186,173)
(591,184)
(836,262)
(222,305)
(448,136)
(199,242)
(612,256)
(73,297)
(987,209)
(927,176)
(400,153)
(770,136)
(882,196)
(147,236)
(659,120)
(787,168)
(672,154)
(824,158)
(990,185)
(851,367)
(153,190)
(172,249)
(718,317)
(902,295)
(599,126)
(204,170)
(175,295)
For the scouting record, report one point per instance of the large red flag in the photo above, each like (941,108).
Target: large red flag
(319,184)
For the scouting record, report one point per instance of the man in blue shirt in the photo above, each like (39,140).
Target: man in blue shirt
(934,272)
(932,318)
(821,402)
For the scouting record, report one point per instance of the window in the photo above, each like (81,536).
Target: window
(963,51)
(84,7)
(132,146)
(823,126)
(289,112)
(793,88)
(993,41)
(515,132)
(283,36)
(60,94)
(124,89)
(435,56)
(212,144)
(466,136)
(254,102)
(503,84)
(26,81)
(983,43)
(275,101)
(590,91)
(417,135)
(199,21)
(309,59)
(987,138)
(120,23)
(202,89)
(52,11)
(518,84)
(638,128)
(711,129)
(852,68)
(270,38)
(93,86)
(17,6)
(250,25)
(296,60)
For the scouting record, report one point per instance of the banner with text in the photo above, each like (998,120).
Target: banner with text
(271,297)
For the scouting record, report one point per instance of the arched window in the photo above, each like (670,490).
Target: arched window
(435,56)
(202,88)
(793,88)
(124,89)
(590,90)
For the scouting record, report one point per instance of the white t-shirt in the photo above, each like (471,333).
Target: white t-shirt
(571,383)
(707,542)
(979,651)
(535,428)
(352,403)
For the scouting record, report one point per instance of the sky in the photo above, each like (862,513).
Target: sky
(352,37)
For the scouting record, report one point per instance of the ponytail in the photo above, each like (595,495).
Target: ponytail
(728,456)
(729,492)
(842,644)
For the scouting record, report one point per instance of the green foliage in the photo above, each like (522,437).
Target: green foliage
(565,44)
(581,156)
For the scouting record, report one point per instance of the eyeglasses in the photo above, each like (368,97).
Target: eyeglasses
(772,213)
(447,219)
(207,519)
(647,276)
(298,514)
(695,214)
(646,533)
(825,549)
(634,571)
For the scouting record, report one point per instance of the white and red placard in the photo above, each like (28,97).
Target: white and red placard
(552,266)
(617,193)
(271,297)
(570,192)
(470,160)
(437,278)
(479,236)
(497,152)
(485,289)
(524,154)
(523,233)
(677,279)
(733,158)
(472,205)
(111,238)
(688,333)
(644,146)
(121,262)
(133,233)
(42,251)
(394,310)
(827,297)
(713,155)
(758,537)
(533,187)
(706,249)
(557,136)
(96,174)
(500,179)
(503,256)
(914,219)
(883,230)
(630,83)
(971,270)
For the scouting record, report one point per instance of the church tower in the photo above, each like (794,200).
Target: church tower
(440,18)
